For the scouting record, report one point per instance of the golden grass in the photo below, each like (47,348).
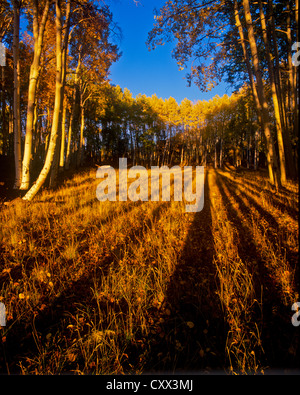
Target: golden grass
(124,287)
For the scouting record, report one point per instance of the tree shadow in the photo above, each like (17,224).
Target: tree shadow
(54,311)
(189,335)
(279,338)
(272,225)
(280,200)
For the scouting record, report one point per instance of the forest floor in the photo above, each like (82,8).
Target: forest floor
(134,287)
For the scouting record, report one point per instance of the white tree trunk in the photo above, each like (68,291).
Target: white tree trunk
(38,34)
(274,173)
(63,138)
(56,113)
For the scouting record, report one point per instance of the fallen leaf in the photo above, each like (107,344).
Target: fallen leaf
(190,324)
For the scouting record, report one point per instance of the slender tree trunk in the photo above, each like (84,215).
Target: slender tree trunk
(169,145)
(290,163)
(37,136)
(64,51)
(10,132)
(164,152)
(74,116)
(80,148)
(17,113)
(48,128)
(56,157)
(215,159)
(182,152)
(133,145)
(38,34)
(250,73)
(279,126)
(296,115)
(293,99)
(248,151)
(3,114)
(69,141)
(63,138)
(57,110)
(292,94)
(274,174)
(197,155)
(221,154)
(247,61)
(277,72)
(255,159)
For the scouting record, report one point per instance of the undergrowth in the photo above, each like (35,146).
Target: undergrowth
(129,287)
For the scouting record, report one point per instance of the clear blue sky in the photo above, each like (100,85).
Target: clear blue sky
(144,71)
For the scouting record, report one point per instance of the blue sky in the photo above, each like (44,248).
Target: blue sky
(144,71)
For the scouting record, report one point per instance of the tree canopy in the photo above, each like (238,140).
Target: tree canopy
(63,112)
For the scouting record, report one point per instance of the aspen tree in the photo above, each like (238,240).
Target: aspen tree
(38,36)
(271,154)
(65,42)
(279,125)
(57,106)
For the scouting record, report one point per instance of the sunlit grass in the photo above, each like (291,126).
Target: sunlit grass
(87,284)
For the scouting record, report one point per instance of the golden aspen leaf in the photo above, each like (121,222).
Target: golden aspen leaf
(190,324)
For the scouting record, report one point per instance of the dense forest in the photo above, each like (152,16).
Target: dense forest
(61,117)
(59,110)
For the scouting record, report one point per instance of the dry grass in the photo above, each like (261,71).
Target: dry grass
(128,287)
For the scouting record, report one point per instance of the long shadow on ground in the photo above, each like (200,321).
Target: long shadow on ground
(281,201)
(190,334)
(23,342)
(280,340)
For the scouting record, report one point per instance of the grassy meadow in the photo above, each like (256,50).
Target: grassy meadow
(131,287)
